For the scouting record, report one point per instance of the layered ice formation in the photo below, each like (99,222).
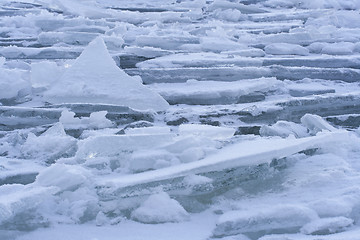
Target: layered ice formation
(179,119)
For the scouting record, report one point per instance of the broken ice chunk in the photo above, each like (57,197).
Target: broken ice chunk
(160,208)
(215,92)
(49,146)
(246,153)
(97,120)
(284,129)
(95,78)
(278,218)
(64,177)
(18,201)
(327,226)
(316,123)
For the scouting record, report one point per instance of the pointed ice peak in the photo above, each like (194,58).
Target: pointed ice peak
(95,78)
(56,130)
(95,56)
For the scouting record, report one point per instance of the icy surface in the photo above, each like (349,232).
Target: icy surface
(180,119)
(94,78)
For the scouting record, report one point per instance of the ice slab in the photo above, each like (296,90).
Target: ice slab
(284,129)
(300,89)
(202,60)
(173,75)
(286,49)
(285,218)
(316,123)
(298,73)
(315,61)
(325,226)
(245,153)
(114,145)
(213,132)
(95,78)
(245,9)
(214,92)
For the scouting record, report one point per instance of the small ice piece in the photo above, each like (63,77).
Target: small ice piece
(325,226)
(193,180)
(284,218)
(150,159)
(219,44)
(95,78)
(49,146)
(148,52)
(286,49)
(68,119)
(212,132)
(284,129)
(63,177)
(101,219)
(97,120)
(192,154)
(160,208)
(316,123)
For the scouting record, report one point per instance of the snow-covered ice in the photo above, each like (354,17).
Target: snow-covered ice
(180,119)
(94,78)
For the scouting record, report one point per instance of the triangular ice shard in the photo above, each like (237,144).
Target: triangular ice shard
(95,78)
